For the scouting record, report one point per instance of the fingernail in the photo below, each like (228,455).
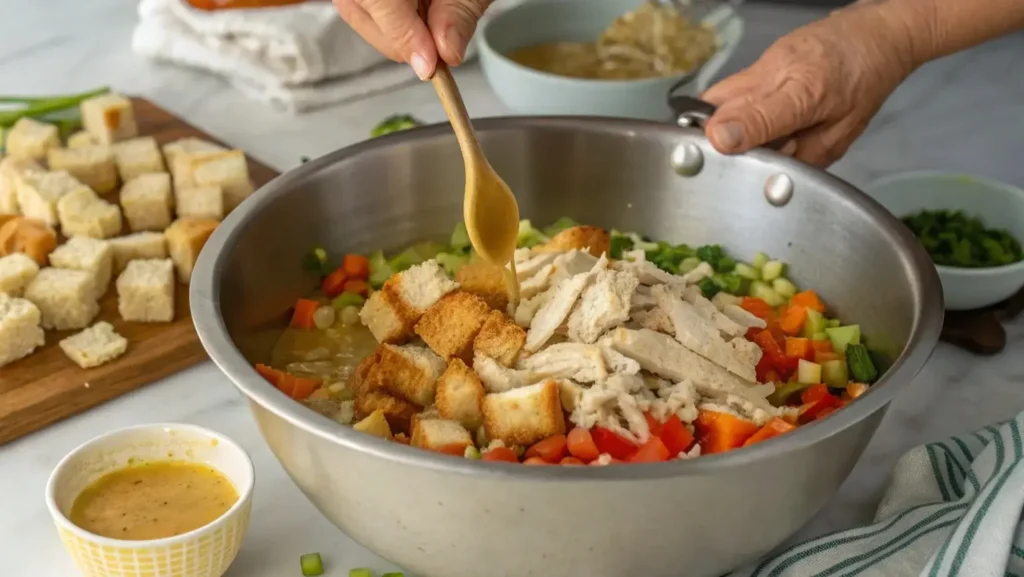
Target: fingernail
(729,135)
(789,149)
(453,38)
(420,66)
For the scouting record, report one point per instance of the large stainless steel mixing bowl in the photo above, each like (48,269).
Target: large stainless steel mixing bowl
(440,516)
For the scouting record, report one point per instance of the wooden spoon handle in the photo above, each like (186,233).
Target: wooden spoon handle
(455,108)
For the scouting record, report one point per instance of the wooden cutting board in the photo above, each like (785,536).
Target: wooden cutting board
(46,386)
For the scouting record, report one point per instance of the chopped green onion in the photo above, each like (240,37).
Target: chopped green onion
(708,287)
(315,262)
(311,564)
(728,282)
(619,245)
(395,123)
(954,239)
(529,236)
(345,300)
(303,159)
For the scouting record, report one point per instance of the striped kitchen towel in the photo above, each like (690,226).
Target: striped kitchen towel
(953,510)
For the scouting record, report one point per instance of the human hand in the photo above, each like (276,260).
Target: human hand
(397,30)
(816,88)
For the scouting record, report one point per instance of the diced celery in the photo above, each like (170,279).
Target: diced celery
(688,264)
(772,270)
(761,290)
(842,337)
(344,300)
(451,263)
(529,236)
(360,573)
(815,323)
(393,574)
(784,287)
(311,564)
(460,237)
(746,271)
(784,391)
(834,373)
(472,452)
(819,337)
(808,373)
(560,225)
(759,260)
(641,244)
(380,270)
(833,323)
(859,361)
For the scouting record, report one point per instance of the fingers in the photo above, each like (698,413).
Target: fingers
(452,23)
(400,26)
(361,22)
(827,143)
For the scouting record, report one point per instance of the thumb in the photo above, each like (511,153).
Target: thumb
(453,23)
(405,29)
(757,118)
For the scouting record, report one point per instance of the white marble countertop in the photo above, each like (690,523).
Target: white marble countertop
(963,113)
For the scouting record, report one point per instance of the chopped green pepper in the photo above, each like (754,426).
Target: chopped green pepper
(311,564)
(861,366)
(395,123)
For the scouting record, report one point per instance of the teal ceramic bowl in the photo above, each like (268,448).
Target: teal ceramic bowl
(531,92)
(997,205)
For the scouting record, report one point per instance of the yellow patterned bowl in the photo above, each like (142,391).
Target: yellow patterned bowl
(204,552)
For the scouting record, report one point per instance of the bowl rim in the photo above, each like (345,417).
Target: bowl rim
(244,492)
(483,39)
(912,175)
(204,294)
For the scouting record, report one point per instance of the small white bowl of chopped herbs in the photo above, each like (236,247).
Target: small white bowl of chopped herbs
(969,225)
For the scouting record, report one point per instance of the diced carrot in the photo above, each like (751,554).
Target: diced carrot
(752,332)
(652,424)
(456,450)
(776,330)
(500,454)
(356,286)
(822,345)
(766,340)
(302,318)
(792,320)
(535,461)
(720,432)
(773,428)
(823,356)
(551,449)
(653,451)
(814,393)
(800,348)
(581,445)
(762,369)
(808,299)
(334,283)
(295,386)
(816,399)
(610,442)
(271,374)
(855,390)
(758,307)
(675,435)
(790,418)
(573,461)
(356,266)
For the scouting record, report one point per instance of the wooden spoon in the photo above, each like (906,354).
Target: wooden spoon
(489,209)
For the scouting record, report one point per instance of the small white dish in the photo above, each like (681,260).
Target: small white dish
(998,205)
(203,552)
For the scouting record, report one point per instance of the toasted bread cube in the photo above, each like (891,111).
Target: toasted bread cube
(398,412)
(229,170)
(65,297)
(429,413)
(93,166)
(145,291)
(30,138)
(525,415)
(442,436)
(460,395)
(138,156)
(109,118)
(450,326)
(185,238)
(138,245)
(11,172)
(487,281)
(39,193)
(590,238)
(16,272)
(89,255)
(95,346)
(29,236)
(392,312)
(409,372)
(20,333)
(82,213)
(146,201)
(82,139)
(357,380)
(501,339)
(180,153)
(200,201)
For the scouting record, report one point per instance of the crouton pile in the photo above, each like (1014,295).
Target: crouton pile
(110,207)
(592,342)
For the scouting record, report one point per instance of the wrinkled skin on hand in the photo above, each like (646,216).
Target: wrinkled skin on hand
(816,88)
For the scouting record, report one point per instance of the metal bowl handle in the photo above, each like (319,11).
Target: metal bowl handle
(694,112)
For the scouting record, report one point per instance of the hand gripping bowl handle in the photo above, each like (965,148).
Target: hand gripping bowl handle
(694,112)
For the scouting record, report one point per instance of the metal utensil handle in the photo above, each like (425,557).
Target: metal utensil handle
(694,112)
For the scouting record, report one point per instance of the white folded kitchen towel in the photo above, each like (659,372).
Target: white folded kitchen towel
(298,57)
(953,510)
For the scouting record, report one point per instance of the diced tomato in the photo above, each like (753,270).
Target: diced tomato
(500,454)
(297,387)
(822,345)
(551,449)
(772,376)
(356,266)
(825,412)
(823,356)
(676,436)
(356,286)
(816,399)
(773,428)
(814,393)
(752,332)
(334,283)
(535,461)
(758,307)
(792,319)
(581,445)
(653,424)
(573,461)
(808,299)
(612,443)
(720,432)
(800,348)
(763,368)
(786,366)
(653,451)
(302,318)
(271,374)
(854,390)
